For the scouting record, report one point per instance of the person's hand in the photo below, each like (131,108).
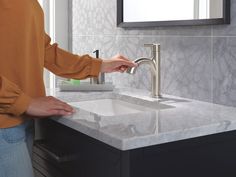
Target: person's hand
(48,106)
(117,63)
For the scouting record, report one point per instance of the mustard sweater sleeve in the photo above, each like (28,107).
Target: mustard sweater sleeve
(65,64)
(12,99)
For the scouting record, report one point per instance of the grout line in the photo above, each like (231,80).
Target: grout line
(212,66)
(168,36)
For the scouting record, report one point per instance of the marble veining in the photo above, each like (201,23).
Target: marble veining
(171,119)
(224,71)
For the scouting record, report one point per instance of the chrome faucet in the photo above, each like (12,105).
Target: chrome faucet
(154,63)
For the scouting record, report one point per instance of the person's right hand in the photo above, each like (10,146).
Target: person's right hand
(48,106)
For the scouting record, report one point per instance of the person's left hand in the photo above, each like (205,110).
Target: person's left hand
(117,63)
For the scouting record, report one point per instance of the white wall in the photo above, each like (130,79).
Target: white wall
(57,20)
(61,23)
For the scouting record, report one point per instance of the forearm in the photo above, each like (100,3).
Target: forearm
(68,65)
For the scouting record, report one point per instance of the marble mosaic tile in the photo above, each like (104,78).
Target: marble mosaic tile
(187,67)
(224,72)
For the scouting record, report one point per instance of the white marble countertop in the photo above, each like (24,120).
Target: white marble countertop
(180,119)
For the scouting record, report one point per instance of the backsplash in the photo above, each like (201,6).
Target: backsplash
(197,62)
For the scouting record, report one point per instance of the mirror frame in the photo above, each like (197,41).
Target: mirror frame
(216,21)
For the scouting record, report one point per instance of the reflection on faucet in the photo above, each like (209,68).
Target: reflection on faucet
(154,63)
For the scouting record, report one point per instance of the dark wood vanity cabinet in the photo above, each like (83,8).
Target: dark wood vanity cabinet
(65,152)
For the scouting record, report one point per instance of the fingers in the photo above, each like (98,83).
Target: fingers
(125,61)
(122,68)
(64,106)
(48,106)
(59,112)
(128,63)
(61,105)
(117,63)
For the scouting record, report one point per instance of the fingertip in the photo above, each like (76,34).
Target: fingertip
(65,113)
(135,64)
(69,113)
(132,63)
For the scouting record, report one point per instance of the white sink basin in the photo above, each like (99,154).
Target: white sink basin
(109,107)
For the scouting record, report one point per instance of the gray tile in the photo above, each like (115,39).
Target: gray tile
(94,17)
(84,45)
(227,30)
(185,31)
(224,72)
(186,65)
(107,46)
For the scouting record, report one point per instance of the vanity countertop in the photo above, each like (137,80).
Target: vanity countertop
(182,119)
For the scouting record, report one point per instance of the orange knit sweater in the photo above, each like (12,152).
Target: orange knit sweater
(25,50)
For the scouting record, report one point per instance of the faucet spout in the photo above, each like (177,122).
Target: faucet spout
(141,61)
(154,63)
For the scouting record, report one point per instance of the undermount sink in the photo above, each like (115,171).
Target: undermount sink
(109,107)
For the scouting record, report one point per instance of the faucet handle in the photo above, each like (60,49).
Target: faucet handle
(155,47)
(149,45)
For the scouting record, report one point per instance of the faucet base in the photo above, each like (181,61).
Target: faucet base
(156,96)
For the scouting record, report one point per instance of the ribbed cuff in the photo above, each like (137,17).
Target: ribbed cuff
(21,104)
(96,64)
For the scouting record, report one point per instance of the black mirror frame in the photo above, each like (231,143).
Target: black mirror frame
(217,21)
